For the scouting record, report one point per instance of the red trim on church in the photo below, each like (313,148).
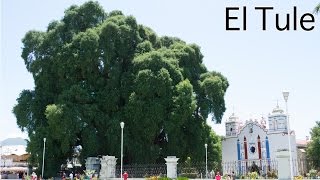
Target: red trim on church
(245,148)
(259,147)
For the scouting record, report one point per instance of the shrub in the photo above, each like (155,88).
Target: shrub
(242,177)
(189,175)
(272,174)
(155,178)
(312,173)
(164,178)
(253,175)
(298,177)
(182,178)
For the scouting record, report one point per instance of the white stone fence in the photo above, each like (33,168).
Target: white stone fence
(108,167)
(281,165)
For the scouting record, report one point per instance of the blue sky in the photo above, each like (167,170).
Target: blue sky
(258,64)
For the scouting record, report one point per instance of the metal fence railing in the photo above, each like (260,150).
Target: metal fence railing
(264,167)
(197,169)
(243,167)
(143,170)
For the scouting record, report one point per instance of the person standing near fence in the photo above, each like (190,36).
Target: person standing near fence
(71,176)
(125,175)
(63,176)
(34,176)
(229,177)
(218,176)
(212,174)
(233,176)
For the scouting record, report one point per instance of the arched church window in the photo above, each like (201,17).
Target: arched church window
(259,147)
(245,148)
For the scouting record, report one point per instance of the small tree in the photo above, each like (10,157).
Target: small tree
(313,149)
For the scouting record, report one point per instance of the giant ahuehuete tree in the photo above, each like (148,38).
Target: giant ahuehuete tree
(94,69)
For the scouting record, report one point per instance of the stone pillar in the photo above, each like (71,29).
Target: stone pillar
(108,167)
(283,159)
(171,166)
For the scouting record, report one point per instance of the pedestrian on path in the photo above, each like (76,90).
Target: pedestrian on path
(34,176)
(212,174)
(125,175)
(71,176)
(233,176)
(218,176)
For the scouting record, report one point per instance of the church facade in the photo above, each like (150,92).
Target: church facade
(253,142)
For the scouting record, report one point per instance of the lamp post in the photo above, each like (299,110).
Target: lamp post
(44,151)
(122,126)
(206,146)
(285,96)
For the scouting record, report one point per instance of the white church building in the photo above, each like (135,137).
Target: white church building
(254,142)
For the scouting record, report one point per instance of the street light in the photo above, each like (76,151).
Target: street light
(206,146)
(122,126)
(44,151)
(285,96)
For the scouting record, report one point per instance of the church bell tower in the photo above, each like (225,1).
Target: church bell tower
(277,120)
(232,125)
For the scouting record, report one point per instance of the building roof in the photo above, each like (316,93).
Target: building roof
(17,149)
(302,142)
(15,169)
(302,150)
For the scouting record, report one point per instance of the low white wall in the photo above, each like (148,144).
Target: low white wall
(144,179)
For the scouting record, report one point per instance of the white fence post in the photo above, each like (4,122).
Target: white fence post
(283,159)
(172,162)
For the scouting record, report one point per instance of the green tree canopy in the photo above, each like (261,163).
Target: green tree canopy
(93,70)
(313,149)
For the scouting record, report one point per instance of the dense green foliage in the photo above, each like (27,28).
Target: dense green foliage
(313,149)
(93,70)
